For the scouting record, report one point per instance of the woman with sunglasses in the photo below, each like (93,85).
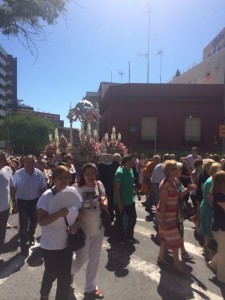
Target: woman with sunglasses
(94,197)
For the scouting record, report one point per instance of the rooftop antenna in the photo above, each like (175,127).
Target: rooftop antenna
(147,53)
(121,73)
(129,71)
(149,13)
(160,53)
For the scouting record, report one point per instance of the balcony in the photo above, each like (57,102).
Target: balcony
(2,102)
(3,72)
(2,61)
(2,82)
(9,92)
(2,112)
(2,92)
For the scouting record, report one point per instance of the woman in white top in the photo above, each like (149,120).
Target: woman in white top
(93,196)
(52,207)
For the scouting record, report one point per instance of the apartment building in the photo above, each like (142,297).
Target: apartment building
(211,69)
(8,83)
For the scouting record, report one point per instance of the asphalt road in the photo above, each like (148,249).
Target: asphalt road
(126,272)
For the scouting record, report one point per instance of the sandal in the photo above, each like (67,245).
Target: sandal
(161,262)
(186,256)
(96,294)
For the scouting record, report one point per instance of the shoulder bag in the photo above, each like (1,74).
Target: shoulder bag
(76,241)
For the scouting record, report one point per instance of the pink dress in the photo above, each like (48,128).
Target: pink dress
(171,235)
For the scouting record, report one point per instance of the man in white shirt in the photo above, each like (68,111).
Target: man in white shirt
(157,176)
(192,157)
(6,189)
(29,185)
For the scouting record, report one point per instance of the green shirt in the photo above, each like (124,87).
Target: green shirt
(126,180)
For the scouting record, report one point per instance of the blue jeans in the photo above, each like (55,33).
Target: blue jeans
(28,219)
(156,192)
(130,212)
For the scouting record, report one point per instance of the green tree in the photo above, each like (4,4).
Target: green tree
(27,18)
(26,133)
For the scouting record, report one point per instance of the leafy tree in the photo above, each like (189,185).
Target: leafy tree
(26,133)
(27,18)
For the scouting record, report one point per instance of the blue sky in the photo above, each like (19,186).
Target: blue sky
(98,38)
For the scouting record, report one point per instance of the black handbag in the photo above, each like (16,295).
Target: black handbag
(76,241)
(185,211)
(106,219)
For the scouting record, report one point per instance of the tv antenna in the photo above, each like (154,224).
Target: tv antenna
(121,73)
(147,53)
(160,53)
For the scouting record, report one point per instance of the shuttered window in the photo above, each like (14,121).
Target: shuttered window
(192,129)
(148,128)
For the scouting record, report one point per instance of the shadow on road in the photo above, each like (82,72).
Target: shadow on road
(119,257)
(13,265)
(219,284)
(12,244)
(36,258)
(184,281)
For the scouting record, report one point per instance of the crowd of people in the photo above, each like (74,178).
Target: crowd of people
(185,189)
(39,189)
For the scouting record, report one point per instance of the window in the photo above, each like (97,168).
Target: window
(192,129)
(148,128)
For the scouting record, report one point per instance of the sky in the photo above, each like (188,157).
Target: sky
(96,39)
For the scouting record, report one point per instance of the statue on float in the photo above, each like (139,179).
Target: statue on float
(87,146)
(86,113)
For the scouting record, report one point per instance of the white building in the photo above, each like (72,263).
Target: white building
(212,68)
